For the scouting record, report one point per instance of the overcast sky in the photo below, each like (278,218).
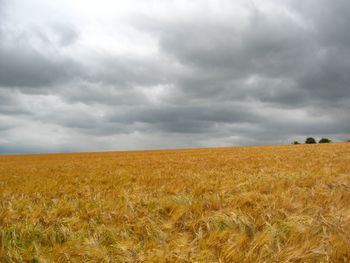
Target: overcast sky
(113,75)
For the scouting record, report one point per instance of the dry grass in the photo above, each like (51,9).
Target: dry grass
(252,204)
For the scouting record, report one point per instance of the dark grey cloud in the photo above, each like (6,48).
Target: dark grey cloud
(29,69)
(229,74)
(305,52)
(27,66)
(173,114)
(126,72)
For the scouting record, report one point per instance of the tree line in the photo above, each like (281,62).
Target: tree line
(311,140)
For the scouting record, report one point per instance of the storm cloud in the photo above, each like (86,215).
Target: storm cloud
(106,75)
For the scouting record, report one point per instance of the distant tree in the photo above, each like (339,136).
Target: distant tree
(295,142)
(310,140)
(325,140)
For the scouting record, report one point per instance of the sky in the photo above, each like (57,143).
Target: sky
(123,75)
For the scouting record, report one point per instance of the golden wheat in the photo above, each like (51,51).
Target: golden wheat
(245,204)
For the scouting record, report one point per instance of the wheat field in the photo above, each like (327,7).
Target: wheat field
(243,204)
